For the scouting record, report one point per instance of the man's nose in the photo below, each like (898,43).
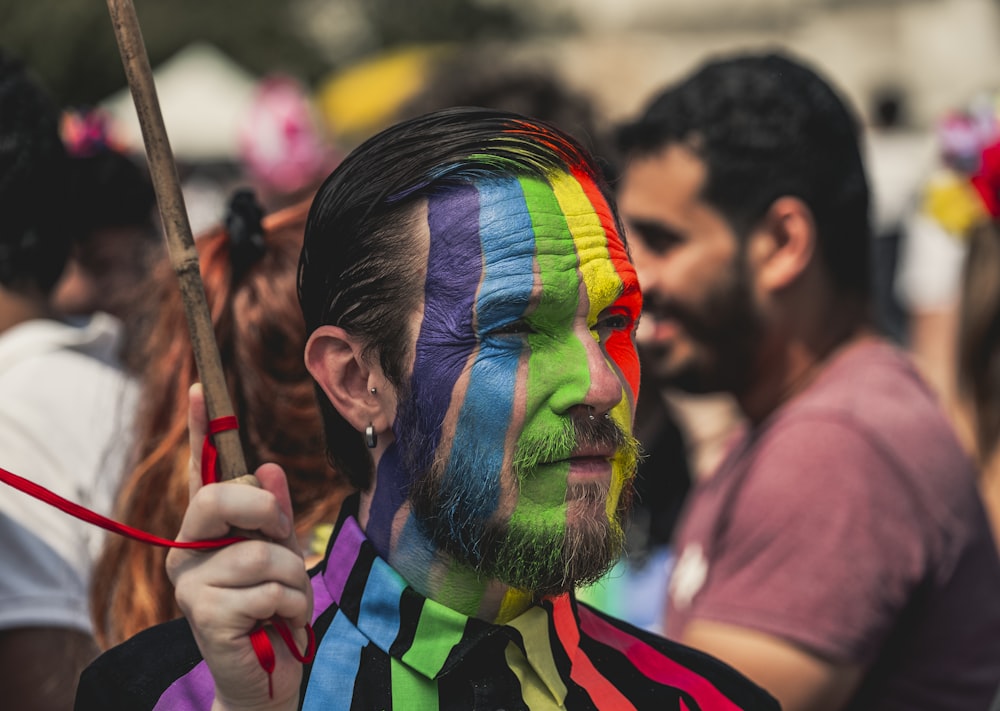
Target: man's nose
(605,389)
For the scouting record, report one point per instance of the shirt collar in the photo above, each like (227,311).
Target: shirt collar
(428,636)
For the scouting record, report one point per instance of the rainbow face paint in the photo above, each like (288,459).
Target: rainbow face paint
(529,311)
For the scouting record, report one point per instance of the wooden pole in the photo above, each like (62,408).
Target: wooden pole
(180,242)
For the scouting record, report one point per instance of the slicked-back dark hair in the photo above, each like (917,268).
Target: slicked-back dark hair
(767,126)
(34,226)
(360,268)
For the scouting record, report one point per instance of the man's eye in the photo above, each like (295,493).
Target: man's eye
(613,322)
(662,242)
(655,236)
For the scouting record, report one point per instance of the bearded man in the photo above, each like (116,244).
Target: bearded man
(836,554)
(472,308)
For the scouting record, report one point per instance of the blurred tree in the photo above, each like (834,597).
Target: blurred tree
(407,22)
(70,43)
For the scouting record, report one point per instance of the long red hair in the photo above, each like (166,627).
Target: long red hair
(261,336)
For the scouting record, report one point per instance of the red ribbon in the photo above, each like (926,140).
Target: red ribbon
(92,517)
(209,474)
(259,640)
(209,453)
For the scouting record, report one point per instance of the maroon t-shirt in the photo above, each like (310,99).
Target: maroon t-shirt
(849,524)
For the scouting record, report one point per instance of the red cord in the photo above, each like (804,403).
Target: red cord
(265,655)
(96,519)
(259,640)
(209,457)
(209,454)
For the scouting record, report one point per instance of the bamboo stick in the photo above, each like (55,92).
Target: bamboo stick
(180,242)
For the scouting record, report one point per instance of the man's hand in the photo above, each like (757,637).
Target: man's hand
(799,680)
(227,593)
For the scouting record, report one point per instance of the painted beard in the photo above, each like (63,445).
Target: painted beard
(542,557)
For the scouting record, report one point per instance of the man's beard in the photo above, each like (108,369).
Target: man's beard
(544,557)
(724,330)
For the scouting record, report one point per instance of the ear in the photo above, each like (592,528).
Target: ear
(783,245)
(335,360)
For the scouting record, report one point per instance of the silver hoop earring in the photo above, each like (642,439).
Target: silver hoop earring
(371,439)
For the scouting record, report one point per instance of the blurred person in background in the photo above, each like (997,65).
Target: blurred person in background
(248,267)
(928,279)
(118,241)
(64,408)
(979,352)
(469,77)
(897,156)
(962,203)
(840,555)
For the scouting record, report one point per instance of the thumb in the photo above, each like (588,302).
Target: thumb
(272,478)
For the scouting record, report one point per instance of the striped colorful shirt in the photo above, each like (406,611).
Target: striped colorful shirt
(381,645)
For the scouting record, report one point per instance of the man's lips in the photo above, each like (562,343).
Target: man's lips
(586,465)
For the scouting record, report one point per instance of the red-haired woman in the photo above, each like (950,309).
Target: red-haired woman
(248,267)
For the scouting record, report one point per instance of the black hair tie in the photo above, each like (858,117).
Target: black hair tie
(246,234)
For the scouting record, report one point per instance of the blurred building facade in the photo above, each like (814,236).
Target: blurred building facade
(938,53)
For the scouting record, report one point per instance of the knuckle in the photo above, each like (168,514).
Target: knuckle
(254,557)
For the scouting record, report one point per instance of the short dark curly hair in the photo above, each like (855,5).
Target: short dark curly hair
(767,126)
(35,232)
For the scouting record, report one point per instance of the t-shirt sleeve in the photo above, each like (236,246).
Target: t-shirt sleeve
(822,545)
(44,558)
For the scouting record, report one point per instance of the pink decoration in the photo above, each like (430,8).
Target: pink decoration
(280,140)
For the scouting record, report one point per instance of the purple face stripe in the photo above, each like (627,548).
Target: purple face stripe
(444,345)
(454,271)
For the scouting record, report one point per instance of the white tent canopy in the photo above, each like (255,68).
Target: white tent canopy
(204,96)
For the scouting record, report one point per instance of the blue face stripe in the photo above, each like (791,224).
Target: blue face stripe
(484,422)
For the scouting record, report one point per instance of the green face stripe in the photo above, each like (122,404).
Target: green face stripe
(553,349)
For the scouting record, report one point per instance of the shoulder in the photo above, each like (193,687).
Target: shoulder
(873,387)
(136,673)
(612,643)
(869,430)
(39,585)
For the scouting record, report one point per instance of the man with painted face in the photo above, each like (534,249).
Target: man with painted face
(839,556)
(471,306)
